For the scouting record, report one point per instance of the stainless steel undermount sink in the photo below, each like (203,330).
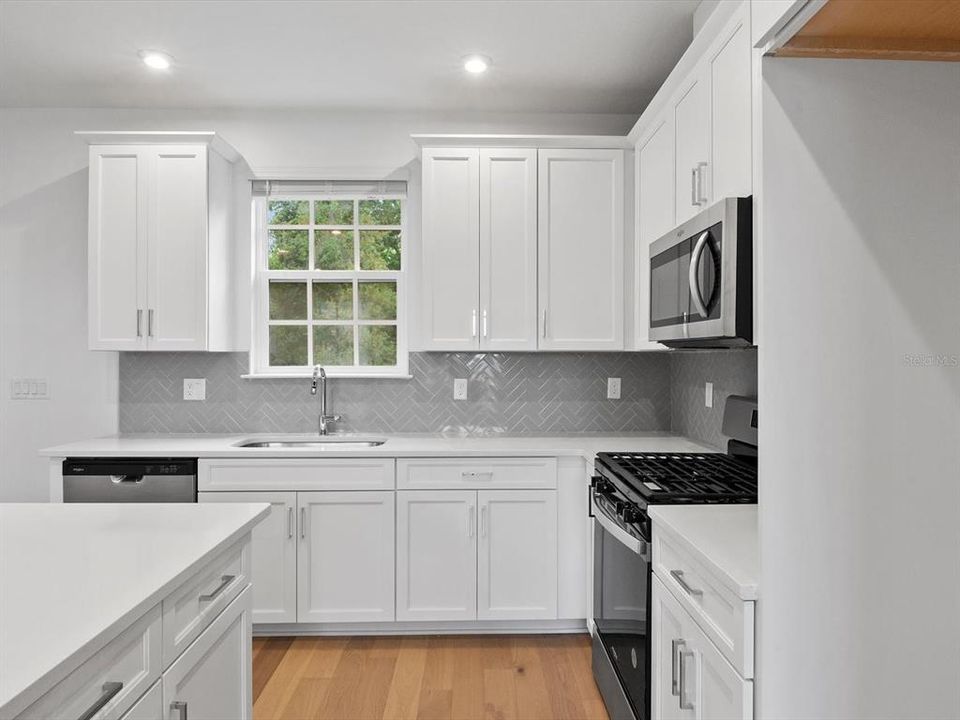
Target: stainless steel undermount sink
(318,443)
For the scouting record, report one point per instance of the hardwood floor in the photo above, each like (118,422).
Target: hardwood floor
(515,677)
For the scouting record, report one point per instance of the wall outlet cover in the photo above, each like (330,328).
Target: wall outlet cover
(460,389)
(194,388)
(29,389)
(613,388)
(708,395)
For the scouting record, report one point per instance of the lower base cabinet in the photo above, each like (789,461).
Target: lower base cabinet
(213,678)
(691,679)
(476,555)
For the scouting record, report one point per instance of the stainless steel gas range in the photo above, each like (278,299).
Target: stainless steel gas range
(624,486)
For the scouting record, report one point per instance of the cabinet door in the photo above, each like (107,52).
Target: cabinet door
(214,675)
(730,108)
(691,122)
(346,557)
(580,249)
(508,249)
(450,249)
(177,248)
(436,555)
(517,557)
(274,554)
(668,642)
(117,247)
(656,188)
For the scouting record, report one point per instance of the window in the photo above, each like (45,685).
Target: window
(331,264)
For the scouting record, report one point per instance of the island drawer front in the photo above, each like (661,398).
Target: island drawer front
(132,658)
(726,619)
(194,605)
(297,474)
(477,473)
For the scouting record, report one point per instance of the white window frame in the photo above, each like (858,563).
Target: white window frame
(260,333)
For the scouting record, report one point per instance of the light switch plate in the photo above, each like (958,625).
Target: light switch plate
(29,389)
(613,388)
(194,388)
(460,389)
(708,395)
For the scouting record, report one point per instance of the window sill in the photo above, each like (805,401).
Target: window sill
(331,375)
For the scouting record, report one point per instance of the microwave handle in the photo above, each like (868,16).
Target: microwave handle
(695,259)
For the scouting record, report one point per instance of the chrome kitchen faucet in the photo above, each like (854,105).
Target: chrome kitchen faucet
(320,375)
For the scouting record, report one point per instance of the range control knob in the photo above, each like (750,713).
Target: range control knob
(629,514)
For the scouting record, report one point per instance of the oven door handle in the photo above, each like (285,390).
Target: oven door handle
(622,536)
(695,293)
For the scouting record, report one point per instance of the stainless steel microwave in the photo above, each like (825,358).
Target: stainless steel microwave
(701,279)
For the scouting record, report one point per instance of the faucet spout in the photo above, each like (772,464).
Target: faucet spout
(323,423)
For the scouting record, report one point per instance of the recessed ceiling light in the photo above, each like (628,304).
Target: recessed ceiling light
(476,64)
(156,59)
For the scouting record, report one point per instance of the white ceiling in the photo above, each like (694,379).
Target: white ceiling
(577,56)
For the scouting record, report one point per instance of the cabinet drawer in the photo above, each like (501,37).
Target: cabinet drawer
(478,473)
(297,474)
(194,605)
(726,619)
(114,678)
(149,707)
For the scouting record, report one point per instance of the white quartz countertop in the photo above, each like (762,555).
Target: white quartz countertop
(725,536)
(72,577)
(225,446)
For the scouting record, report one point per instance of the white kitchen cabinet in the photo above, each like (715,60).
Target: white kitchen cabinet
(213,678)
(160,246)
(580,249)
(729,67)
(691,679)
(479,249)
(656,192)
(436,555)
(274,554)
(450,287)
(691,124)
(346,556)
(508,249)
(517,556)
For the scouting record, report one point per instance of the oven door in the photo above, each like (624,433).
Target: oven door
(621,606)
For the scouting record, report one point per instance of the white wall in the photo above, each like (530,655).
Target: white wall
(859,614)
(43,227)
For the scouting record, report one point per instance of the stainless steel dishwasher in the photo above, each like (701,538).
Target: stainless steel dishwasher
(129,480)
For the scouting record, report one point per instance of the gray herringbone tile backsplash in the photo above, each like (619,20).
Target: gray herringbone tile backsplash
(535,393)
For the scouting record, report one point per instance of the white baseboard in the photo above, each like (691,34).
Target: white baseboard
(488,627)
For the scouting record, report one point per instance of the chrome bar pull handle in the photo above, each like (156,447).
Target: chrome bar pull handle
(544,323)
(303,523)
(150,322)
(701,184)
(473,321)
(289,521)
(181,707)
(483,521)
(682,690)
(678,576)
(484,322)
(108,691)
(139,322)
(693,187)
(674,687)
(224,581)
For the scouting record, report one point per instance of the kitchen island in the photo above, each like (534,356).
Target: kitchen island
(117,607)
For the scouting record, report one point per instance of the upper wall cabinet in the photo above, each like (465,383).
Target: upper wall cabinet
(694,143)
(580,269)
(479,249)
(160,245)
(522,249)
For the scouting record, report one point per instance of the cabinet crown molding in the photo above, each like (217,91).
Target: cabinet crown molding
(161,137)
(584,142)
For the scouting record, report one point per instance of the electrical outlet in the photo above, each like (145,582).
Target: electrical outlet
(708,395)
(29,389)
(194,388)
(613,388)
(460,389)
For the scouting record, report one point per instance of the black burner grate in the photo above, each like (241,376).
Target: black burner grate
(679,477)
